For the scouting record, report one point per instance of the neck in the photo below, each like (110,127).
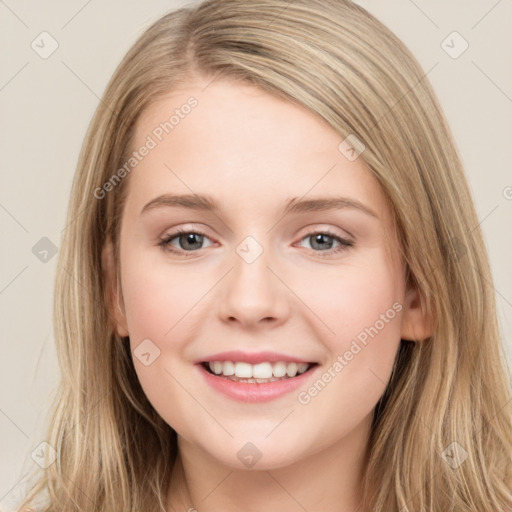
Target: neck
(327,481)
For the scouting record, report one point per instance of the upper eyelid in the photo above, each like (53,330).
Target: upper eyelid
(308,230)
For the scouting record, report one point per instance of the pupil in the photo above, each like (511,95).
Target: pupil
(189,238)
(318,239)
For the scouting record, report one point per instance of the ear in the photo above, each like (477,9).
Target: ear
(417,323)
(112,289)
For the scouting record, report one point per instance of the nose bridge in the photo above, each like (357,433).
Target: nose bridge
(252,292)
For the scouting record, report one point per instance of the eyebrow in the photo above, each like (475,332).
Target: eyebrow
(204,202)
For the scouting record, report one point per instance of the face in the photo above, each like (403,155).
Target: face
(250,244)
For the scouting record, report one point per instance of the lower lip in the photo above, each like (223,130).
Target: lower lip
(254,392)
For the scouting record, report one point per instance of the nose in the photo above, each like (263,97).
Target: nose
(253,294)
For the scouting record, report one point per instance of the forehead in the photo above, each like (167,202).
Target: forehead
(241,144)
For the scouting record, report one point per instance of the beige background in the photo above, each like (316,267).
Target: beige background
(46,105)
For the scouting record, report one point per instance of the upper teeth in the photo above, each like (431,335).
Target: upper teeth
(257,371)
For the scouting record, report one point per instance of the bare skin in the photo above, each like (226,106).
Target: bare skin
(303,296)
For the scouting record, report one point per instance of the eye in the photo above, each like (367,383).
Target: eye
(188,241)
(191,241)
(324,240)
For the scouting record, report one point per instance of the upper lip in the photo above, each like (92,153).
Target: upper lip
(251,357)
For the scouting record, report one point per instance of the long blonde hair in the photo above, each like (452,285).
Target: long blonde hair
(448,394)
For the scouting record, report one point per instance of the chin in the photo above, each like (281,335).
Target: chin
(259,454)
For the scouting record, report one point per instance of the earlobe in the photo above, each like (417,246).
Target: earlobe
(417,322)
(113,290)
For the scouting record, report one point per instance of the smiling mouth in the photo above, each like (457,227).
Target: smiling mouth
(260,373)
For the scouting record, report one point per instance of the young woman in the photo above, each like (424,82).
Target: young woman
(273,293)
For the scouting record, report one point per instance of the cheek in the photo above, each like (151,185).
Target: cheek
(159,311)
(157,296)
(363,307)
(351,298)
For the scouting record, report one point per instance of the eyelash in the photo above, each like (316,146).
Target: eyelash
(165,243)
